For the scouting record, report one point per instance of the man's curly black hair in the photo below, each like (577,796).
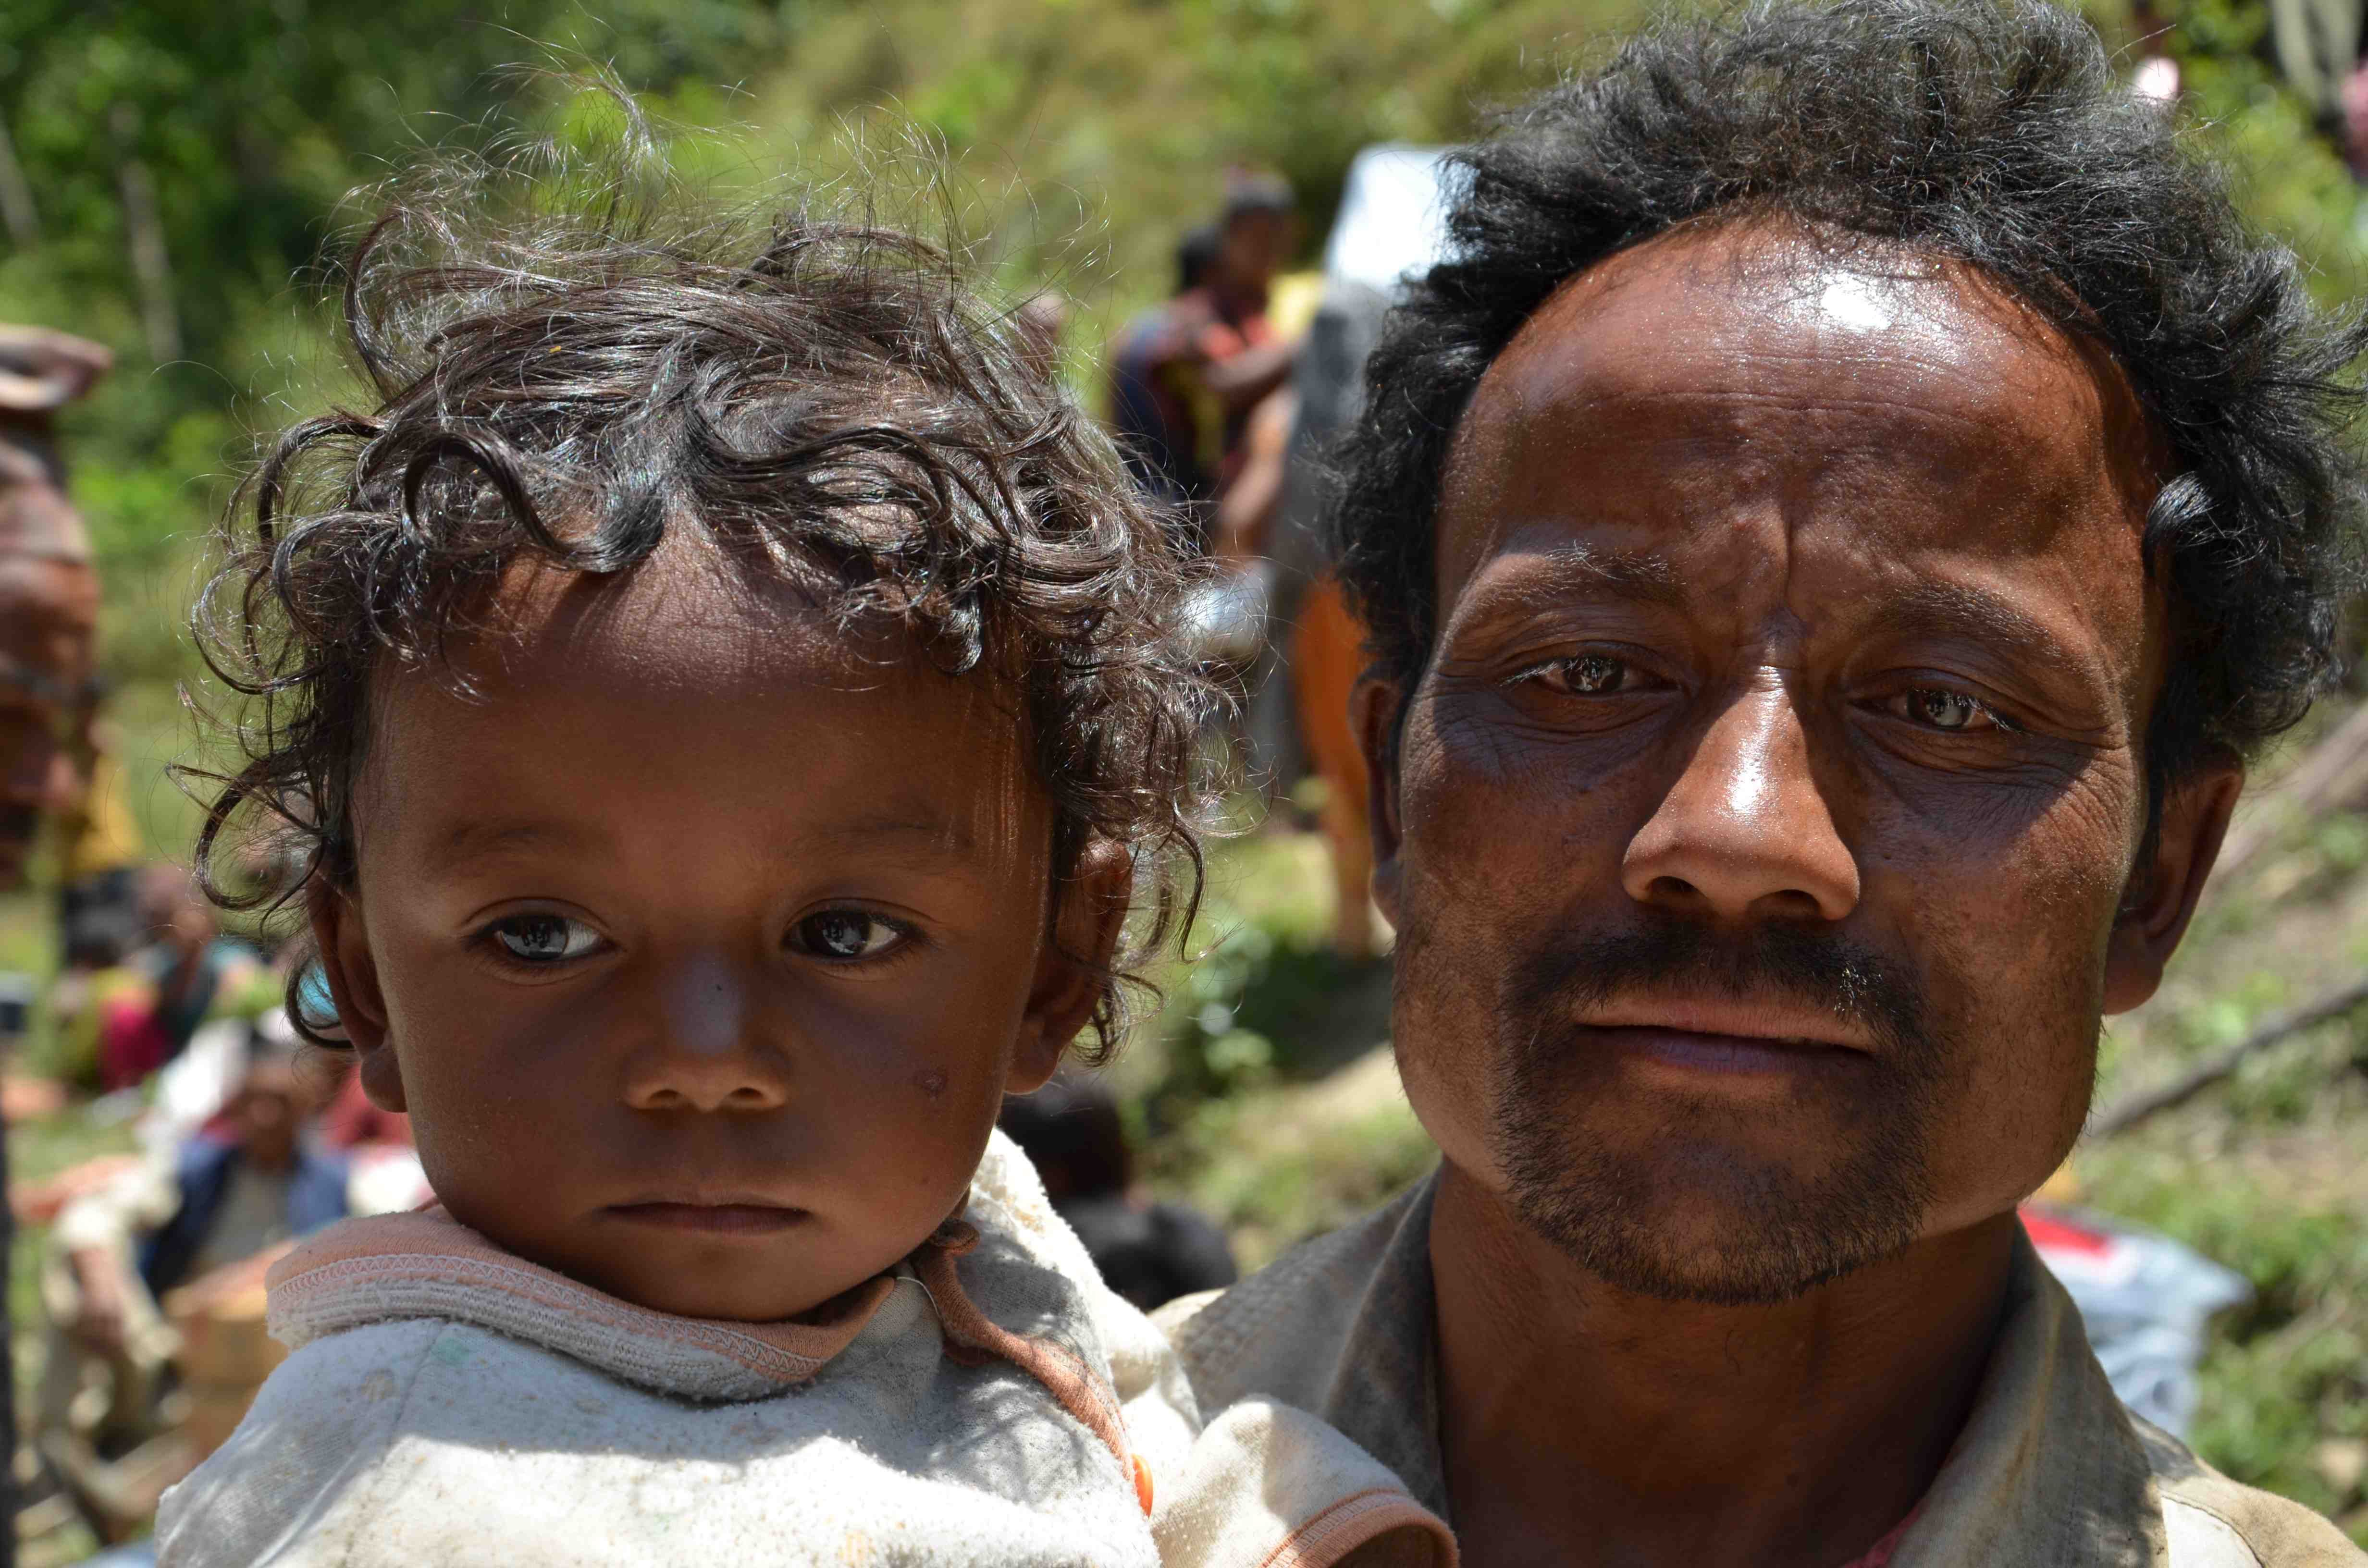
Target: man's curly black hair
(1989,131)
(567,357)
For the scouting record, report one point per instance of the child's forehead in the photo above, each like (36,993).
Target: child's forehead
(687,608)
(677,679)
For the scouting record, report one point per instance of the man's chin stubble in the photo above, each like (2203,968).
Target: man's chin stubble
(1734,1236)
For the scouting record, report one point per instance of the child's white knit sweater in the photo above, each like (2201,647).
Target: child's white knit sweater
(989,1403)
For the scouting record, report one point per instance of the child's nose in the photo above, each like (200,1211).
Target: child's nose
(708,1051)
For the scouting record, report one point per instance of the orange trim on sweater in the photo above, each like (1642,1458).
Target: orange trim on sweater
(1352,1522)
(972,1337)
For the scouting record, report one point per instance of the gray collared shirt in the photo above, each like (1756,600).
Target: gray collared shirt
(2050,1470)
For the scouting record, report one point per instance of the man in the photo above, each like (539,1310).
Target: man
(49,616)
(1185,376)
(1830,533)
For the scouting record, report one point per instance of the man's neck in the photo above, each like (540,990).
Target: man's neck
(1582,1425)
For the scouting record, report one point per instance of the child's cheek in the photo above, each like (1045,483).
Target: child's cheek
(921,1078)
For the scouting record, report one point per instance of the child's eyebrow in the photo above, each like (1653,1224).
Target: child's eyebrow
(938,836)
(475,839)
(917,836)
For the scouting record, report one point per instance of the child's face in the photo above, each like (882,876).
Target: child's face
(701,952)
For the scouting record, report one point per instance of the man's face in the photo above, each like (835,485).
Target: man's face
(1760,822)
(270,1110)
(49,615)
(1254,247)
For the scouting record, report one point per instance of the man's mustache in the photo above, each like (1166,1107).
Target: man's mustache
(1675,958)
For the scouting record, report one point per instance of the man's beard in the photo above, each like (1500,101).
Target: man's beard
(1776,1233)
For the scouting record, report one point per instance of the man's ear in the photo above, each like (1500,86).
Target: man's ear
(1087,919)
(352,974)
(1373,707)
(2163,887)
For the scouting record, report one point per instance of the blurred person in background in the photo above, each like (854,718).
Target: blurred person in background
(189,967)
(252,1176)
(1390,227)
(1148,1252)
(1185,375)
(99,852)
(49,623)
(49,588)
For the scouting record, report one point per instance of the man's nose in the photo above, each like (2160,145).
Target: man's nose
(1743,833)
(709,1049)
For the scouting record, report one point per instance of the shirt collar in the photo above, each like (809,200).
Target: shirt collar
(2048,1468)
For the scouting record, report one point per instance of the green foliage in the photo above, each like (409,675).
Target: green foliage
(2289,1371)
(1266,999)
(2287,174)
(1098,129)
(244,124)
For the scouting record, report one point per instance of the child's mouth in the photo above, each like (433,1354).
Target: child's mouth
(741,1219)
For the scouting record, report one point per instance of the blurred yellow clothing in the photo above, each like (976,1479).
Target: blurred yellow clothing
(1291,301)
(97,834)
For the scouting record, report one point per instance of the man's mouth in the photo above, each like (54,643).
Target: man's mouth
(733,1215)
(1723,1036)
(1692,1050)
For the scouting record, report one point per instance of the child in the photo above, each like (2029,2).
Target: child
(730,698)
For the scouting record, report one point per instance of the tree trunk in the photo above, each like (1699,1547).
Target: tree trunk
(143,228)
(17,210)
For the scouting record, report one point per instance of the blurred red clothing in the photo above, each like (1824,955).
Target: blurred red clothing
(351,1119)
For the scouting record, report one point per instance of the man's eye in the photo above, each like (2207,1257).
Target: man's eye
(1590,675)
(1952,711)
(844,934)
(544,939)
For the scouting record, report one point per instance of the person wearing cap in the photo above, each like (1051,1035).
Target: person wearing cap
(49,587)
(1186,375)
(49,620)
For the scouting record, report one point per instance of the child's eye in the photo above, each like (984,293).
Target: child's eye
(845,934)
(543,939)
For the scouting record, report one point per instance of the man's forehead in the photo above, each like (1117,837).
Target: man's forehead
(1676,377)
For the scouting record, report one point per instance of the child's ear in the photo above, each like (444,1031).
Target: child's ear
(352,974)
(1086,923)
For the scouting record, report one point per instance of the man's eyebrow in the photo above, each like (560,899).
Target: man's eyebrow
(1990,617)
(1545,579)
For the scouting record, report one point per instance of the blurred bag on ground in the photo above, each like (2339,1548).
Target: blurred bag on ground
(2146,1302)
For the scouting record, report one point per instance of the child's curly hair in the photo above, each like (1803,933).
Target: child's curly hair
(571,364)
